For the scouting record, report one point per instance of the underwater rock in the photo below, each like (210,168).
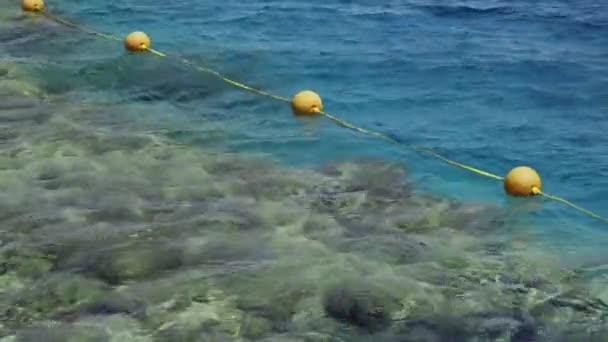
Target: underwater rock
(182,306)
(270,187)
(8,135)
(16,89)
(498,326)
(155,301)
(237,167)
(573,313)
(423,331)
(379,178)
(217,314)
(417,214)
(25,222)
(216,337)
(180,334)
(117,327)
(482,326)
(396,248)
(580,333)
(147,81)
(474,218)
(364,190)
(114,303)
(278,311)
(115,207)
(16,103)
(338,201)
(423,213)
(57,332)
(315,337)
(59,294)
(11,283)
(123,144)
(322,228)
(254,328)
(228,248)
(232,215)
(174,91)
(22,110)
(25,262)
(136,262)
(359,304)
(8,68)
(57,297)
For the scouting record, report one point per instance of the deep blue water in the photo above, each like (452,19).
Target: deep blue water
(494,84)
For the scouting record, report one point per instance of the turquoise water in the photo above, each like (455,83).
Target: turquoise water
(494,84)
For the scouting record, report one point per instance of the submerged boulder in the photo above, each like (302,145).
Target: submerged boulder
(359,304)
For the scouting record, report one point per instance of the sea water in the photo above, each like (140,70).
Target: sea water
(492,84)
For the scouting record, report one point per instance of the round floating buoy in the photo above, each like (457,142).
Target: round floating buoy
(522,181)
(33,5)
(137,42)
(306,102)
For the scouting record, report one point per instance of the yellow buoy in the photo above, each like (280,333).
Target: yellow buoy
(522,181)
(33,5)
(306,102)
(137,42)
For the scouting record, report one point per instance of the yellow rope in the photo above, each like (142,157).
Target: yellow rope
(419,148)
(233,82)
(79,27)
(574,206)
(161,54)
(158,53)
(535,191)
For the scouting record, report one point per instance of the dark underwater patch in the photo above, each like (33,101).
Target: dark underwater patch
(454,11)
(359,304)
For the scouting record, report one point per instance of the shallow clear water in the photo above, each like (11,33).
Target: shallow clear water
(119,169)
